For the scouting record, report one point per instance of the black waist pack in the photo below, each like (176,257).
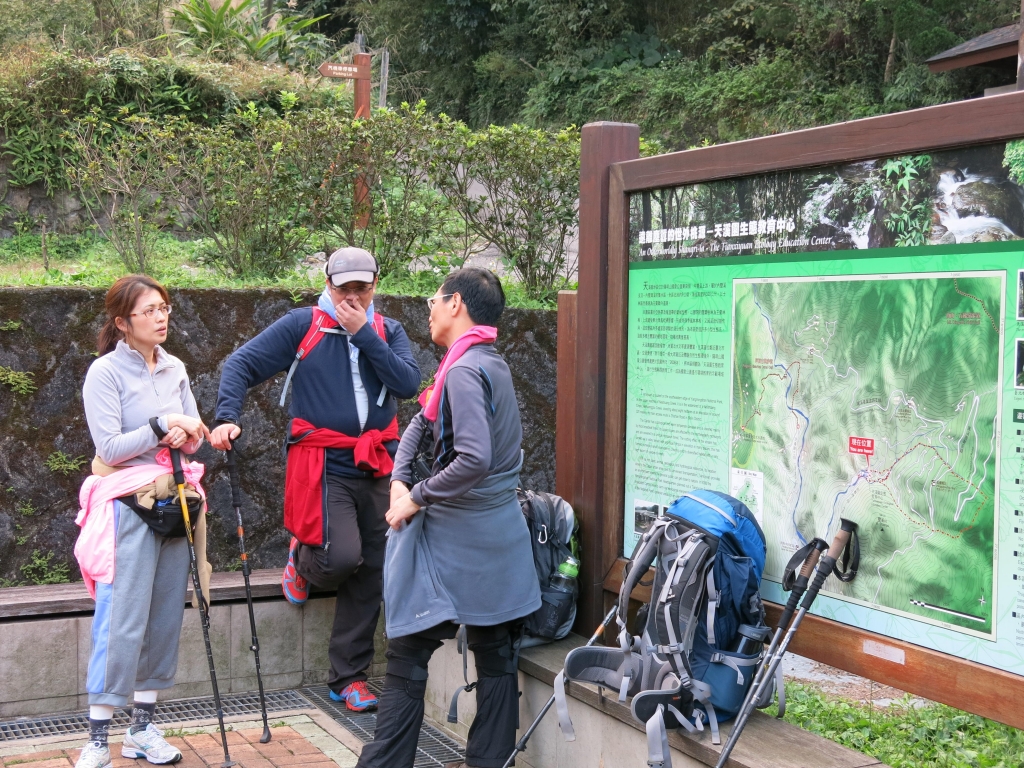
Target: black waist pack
(165,517)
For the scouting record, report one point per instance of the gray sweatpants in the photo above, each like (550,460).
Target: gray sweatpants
(137,623)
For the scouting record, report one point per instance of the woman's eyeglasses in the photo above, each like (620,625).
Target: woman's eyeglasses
(150,312)
(434,299)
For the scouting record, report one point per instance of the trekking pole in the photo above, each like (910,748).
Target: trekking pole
(204,615)
(236,499)
(847,532)
(811,553)
(521,744)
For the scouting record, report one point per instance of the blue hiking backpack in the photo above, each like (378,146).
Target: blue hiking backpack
(700,638)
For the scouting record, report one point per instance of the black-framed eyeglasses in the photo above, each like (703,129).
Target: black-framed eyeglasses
(150,312)
(434,299)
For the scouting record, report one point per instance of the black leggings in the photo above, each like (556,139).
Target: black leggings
(492,737)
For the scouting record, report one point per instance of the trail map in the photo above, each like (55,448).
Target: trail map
(876,398)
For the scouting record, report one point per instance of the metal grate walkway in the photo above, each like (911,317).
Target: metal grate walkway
(176,711)
(434,748)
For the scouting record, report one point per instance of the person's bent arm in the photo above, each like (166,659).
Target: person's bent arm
(190,409)
(102,402)
(263,356)
(471,426)
(393,361)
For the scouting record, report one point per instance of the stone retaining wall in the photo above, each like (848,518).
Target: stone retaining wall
(51,332)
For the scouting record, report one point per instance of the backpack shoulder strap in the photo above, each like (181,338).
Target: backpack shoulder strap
(318,325)
(378,326)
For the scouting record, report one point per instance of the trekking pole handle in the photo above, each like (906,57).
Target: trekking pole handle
(812,560)
(801,583)
(826,563)
(236,491)
(179,474)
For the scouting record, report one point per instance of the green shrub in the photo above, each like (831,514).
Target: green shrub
(45,93)
(904,735)
(66,21)
(121,174)
(250,188)
(241,29)
(530,199)
(402,215)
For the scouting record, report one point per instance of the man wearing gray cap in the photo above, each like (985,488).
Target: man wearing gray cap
(346,365)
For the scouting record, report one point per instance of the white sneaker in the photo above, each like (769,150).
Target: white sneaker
(149,744)
(94,756)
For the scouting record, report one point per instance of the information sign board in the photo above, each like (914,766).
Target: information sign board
(846,342)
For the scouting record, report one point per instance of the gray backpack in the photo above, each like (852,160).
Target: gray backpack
(697,645)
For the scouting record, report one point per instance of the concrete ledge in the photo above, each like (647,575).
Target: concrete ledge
(607,735)
(45,642)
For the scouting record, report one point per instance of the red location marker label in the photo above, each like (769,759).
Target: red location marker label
(865,446)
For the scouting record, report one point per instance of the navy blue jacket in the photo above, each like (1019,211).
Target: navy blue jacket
(321,390)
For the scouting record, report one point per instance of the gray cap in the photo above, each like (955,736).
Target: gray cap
(348,265)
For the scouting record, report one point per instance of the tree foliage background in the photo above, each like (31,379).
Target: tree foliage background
(688,71)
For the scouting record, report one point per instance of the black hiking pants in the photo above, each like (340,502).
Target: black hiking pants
(492,737)
(354,564)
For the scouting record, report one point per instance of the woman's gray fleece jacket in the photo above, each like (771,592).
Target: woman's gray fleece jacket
(465,556)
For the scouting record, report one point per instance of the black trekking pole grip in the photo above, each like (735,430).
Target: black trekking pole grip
(827,563)
(801,583)
(236,490)
(179,473)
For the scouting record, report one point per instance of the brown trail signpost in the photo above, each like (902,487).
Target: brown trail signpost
(358,70)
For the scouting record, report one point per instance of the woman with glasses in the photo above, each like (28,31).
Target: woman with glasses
(138,403)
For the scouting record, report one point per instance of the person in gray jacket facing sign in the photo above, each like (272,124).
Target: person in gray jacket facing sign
(459,551)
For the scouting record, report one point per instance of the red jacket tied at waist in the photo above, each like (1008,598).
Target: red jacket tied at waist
(305,490)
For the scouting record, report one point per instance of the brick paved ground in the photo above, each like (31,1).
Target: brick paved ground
(296,741)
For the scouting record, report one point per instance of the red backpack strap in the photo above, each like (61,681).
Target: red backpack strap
(378,326)
(313,336)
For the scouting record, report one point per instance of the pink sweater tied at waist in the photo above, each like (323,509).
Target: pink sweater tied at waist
(95,547)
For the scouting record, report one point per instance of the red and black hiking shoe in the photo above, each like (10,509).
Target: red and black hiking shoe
(295,588)
(356,696)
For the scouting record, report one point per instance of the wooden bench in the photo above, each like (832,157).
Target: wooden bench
(73,599)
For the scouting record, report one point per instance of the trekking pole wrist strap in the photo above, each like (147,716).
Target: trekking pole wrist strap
(154,424)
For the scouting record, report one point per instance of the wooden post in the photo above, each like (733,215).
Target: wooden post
(385,68)
(358,70)
(1020,49)
(362,103)
(602,144)
(565,416)
(362,60)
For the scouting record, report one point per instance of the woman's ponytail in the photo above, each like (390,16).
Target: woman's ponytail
(119,302)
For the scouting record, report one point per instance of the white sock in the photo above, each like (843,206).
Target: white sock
(145,697)
(101,711)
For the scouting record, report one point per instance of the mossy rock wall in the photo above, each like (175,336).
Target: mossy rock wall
(55,342)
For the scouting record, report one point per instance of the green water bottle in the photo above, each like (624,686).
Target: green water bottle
(564,579)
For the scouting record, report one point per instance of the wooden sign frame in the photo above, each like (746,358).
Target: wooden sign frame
(592,396)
